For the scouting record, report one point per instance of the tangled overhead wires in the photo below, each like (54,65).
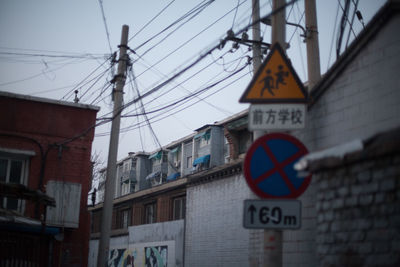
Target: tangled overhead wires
(164,111)
(104,119)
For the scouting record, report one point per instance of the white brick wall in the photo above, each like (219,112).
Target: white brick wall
(214,225)
(365,99)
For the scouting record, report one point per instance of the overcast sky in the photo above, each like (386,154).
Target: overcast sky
(50,48)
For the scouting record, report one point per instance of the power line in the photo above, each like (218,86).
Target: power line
(352,21)
(180,85)
(189,40)
(234,17)
(201,57)
(86,56)
(148,23)
(35,75)
(187,79)
(97,78)
(158,87)
(79,84)
(166,115)
(105,25)
(190,12)
(333,36)
(192,95)
(157,141)
(106,86)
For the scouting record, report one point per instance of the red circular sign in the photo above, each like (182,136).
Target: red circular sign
(268,167)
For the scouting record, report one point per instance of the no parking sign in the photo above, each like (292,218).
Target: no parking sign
(268,167)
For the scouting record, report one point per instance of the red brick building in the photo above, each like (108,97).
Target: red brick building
(45,148)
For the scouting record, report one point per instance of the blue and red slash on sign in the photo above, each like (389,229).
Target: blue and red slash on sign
(268,166)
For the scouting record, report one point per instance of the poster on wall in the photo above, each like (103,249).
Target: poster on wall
(122,257)
(156,256)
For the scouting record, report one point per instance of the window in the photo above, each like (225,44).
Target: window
(179,208)
(95,221)
(124,219)
(203,138)
(176,157)
(226,150)
(204,142)
(67,196)
(244,141)
(127,164)
(12,170)
(150,213)
(189,162)
(125,188)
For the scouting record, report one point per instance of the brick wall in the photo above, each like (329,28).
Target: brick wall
(358,211)
(30,123)
(214,232)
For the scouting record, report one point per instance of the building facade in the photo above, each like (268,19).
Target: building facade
(45,149)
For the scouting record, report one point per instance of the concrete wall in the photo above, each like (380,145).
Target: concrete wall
(158,243)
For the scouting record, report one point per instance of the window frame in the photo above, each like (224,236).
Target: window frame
(23,156)
(182,207)
(147,219)
(125,215)
(189,162)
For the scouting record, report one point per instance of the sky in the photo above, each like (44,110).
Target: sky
(50,48)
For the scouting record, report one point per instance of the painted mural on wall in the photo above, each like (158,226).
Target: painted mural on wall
(156,256)
(122,258)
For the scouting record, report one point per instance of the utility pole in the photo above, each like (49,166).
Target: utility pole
(313,61)
(273,252)
(278,24)
(106,218)
(256,35)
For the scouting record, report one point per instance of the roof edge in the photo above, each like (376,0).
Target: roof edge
(48,101)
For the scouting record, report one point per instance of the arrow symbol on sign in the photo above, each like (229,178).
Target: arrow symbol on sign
(252,210)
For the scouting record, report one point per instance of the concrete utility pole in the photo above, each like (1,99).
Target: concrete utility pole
(273,238)
(272,241)
(104,243)
(313,61)
(278,24)
(256,35)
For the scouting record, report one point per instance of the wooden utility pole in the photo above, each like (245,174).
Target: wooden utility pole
(106,218)
(313,61)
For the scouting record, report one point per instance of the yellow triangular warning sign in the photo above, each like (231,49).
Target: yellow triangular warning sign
(275,81)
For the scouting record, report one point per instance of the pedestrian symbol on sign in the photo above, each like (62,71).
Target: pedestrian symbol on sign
(280,76)
(269,80)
